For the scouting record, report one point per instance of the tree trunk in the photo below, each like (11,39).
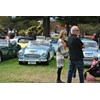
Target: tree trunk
(68,29)
(46,26)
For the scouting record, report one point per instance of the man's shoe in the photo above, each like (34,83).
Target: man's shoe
(59,81)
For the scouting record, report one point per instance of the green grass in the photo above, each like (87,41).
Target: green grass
(11,72)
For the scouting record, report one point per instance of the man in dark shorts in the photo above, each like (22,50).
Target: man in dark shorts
(75,46)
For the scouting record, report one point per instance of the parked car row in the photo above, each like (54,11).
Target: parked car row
(41,50)
(42,47)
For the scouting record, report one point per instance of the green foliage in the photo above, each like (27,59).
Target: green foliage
(39,32)
(4,20)
(90,28)
(33,28)
(1,29)
(25,24)
(22,32)
(74,20)
(39,29)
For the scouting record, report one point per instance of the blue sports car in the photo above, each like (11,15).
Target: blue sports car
(36,52)
(90,51)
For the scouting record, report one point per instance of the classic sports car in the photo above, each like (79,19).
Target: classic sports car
(22,41)
(36,52)
(90,51)
(8,50)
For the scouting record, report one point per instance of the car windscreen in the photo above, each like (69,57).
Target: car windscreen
(90,44)
(54,41)
(40,37)
(23,40)
(36,43)
(32,43)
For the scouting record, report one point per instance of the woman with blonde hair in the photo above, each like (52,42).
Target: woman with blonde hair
(61,54)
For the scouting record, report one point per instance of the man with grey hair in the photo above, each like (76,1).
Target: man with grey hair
(75,46)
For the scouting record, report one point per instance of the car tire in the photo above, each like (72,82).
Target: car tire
(47,62)
(20,62)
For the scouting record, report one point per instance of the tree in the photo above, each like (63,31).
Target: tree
(45,19)
(75,20)
(4,20)
(46,26)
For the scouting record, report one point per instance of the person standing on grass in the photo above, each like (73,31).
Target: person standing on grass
(75,46)
(61,54)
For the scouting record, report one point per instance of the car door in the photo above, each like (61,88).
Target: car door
(10,51)
(4,51)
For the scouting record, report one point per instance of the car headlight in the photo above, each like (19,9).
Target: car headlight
(43,54)
(20,53)
(99,56)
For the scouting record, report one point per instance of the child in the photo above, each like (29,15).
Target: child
(93,73)
(95,62)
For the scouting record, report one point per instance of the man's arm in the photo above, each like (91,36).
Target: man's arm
(80,43)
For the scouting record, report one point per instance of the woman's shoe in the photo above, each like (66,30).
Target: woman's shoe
(59,81)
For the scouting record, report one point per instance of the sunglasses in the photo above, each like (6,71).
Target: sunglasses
(65,34)
(77,30)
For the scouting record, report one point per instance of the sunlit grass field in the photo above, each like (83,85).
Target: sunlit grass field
(12,72)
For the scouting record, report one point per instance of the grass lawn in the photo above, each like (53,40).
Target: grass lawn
(11,72)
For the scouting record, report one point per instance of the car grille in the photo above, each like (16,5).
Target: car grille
(32,55)
(88,59)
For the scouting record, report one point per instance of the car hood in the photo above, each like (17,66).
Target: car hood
(36,49)
(55,46)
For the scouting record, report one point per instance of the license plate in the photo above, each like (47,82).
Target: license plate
(88,54)
(87,63)
(31,62)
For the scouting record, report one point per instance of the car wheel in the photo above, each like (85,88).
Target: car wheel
(0,58)
(20,62)
(47,62)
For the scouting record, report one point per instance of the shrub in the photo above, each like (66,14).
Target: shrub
(1,29)
(22,32)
